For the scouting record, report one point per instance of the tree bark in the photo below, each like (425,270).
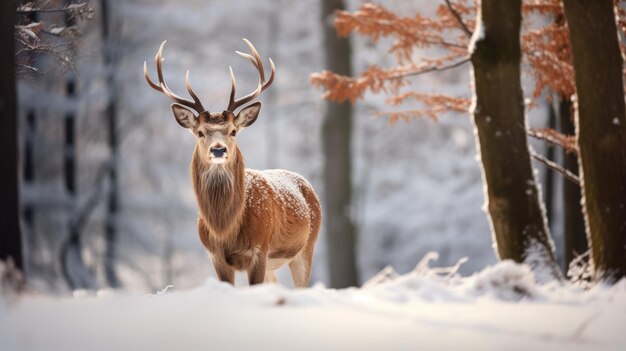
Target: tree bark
(110,256)
(336,139)
(75,272)
(574,223)
(601,131)
(10,235)
(549,186)
(512,198)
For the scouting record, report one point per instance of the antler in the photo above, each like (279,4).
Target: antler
(162,87)
(255,58)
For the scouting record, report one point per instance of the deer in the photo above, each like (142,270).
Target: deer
(254,221)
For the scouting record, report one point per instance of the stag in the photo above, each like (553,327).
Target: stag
(249,220)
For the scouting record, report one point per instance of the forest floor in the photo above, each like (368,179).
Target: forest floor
(499,308)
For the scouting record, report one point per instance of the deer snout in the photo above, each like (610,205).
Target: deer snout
(218,151)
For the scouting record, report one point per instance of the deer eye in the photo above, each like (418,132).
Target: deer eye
(200,135)
(233,133)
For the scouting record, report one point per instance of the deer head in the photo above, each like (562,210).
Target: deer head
(215,131)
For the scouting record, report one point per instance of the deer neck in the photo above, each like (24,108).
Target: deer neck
(220,192)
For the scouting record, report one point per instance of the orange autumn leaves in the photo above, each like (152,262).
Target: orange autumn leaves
(546,54)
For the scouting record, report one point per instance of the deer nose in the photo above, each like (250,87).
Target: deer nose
(218,151)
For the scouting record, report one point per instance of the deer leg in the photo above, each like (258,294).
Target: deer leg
(270,277)
(256,272)
(300,268)
(225,272)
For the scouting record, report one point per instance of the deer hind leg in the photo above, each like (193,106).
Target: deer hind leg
(270,277)
(300,268)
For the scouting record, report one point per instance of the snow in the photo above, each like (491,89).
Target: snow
(287,185)
(500,307)
(478,34)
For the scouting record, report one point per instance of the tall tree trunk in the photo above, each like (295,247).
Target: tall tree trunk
(110,256)
(574,223)
(601,132)
(549,188)
(28,169)
(10,235)
(337,140)
(517,220)
(75,271)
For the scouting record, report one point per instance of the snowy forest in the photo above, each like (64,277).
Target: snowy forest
(445,174)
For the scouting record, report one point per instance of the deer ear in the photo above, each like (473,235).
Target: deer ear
(184,116)
(248,115)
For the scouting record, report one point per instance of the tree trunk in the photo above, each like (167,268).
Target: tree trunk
(28,170)
(10,236)
(336,140)
(574,223)
(513,203)
(75,271)
(601,132)
(549,188)
(110,255)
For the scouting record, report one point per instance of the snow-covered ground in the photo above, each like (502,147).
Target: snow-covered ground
(498,308)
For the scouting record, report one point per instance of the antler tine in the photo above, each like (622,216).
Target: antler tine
(193,95)
(150,82)
(259,64)
(255,59)
(233,87)
(251,59)
(162,87)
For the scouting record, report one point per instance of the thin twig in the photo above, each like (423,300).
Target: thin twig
(430,69)
(31,68)
(556,167)
(445,43)
(459,19)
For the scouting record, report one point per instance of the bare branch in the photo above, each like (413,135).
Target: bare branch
(436,68)
(27,67)
(556,167)
(459,19)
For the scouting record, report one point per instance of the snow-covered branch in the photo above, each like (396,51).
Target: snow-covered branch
(46,36)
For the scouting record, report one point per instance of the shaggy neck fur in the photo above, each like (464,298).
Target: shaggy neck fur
(220,192)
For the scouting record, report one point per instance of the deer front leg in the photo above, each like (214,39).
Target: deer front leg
(225,272)
(256,272)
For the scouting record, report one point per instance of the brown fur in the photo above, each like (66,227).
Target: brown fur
(244,220)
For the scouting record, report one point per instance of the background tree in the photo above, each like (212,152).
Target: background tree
(575,236)
(76,273)
(519,226)
(341,233)
(10,239)
(601,136)
(113,203)
(45,32)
